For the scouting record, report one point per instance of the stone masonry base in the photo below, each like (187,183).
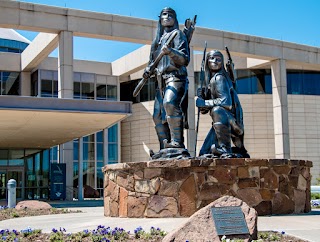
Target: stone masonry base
(178,188)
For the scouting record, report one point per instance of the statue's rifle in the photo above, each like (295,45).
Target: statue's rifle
(202,78)
(230,69)
(189,27)
(153,66)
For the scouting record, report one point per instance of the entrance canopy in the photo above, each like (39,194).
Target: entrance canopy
(31,122)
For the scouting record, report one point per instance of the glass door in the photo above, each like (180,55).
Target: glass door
(3,184)
(8,173)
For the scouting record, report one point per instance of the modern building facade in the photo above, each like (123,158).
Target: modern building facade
(62,110)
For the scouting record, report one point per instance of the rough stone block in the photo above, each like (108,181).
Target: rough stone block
(169,189)
(209,192)
(256,162)
(282,170)
(282,204)
(106,206)
(148,186)
(278,162)
(126,181)
(136,206)
(187,197)
(266,194)
(114,208)
(162,207)
(249,182)
(150,173)
(254,171)
(225,175)
(243,172)
(300,201)
(302,183)
(270,180)
(264,208)
(251,196)
(123,203)
(174,175)
(230,162)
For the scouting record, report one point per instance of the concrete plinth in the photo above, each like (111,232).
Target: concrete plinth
(178,188)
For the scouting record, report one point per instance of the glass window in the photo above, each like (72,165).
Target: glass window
(254,82)
(76,90)
(87,90)
(113,133)
(81,89)
(100,151)
(113,144)
(53,153)
(34,84)
(88,148)
(111,92)
(46,88)
(100,136)
(49,83)
(89,179)
(10,83)
(100,178)
(112,152)
(4,155)
(76,149)
(101,92)
(306,82)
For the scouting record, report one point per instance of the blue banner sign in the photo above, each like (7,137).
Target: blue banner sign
(58,181)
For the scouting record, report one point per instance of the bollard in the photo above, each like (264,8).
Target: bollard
(12,186)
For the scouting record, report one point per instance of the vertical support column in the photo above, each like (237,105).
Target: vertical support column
(191,134)
(105,146)
(280,109)
(80,169)
(65,65)
(25,83)
(65,90)
(65,155)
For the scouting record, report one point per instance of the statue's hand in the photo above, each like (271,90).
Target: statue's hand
(146,73)
(166,49)
(200,103)
(187,23)
(201,92)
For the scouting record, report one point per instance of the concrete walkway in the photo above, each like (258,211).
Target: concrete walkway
(305,226)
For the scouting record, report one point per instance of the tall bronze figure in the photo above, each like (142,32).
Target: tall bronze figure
(220,100)
(169,58)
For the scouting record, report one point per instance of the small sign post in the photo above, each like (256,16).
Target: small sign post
(229,220)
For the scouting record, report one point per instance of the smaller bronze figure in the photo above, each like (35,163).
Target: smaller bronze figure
(220,100)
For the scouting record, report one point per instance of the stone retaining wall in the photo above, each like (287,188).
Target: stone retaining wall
(178,188)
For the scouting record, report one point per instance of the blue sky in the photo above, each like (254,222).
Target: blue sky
(287,20)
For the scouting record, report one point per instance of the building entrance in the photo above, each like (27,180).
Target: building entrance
(7,173)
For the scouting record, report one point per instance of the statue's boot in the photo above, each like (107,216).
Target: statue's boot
(163,133)
(176,131)
(223,134)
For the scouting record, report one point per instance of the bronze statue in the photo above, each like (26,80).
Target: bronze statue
(169,58)
(220,99)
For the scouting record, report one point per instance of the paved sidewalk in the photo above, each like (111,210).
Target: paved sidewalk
(306,226)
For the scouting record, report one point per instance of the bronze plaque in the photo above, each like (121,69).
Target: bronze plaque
(229,220)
